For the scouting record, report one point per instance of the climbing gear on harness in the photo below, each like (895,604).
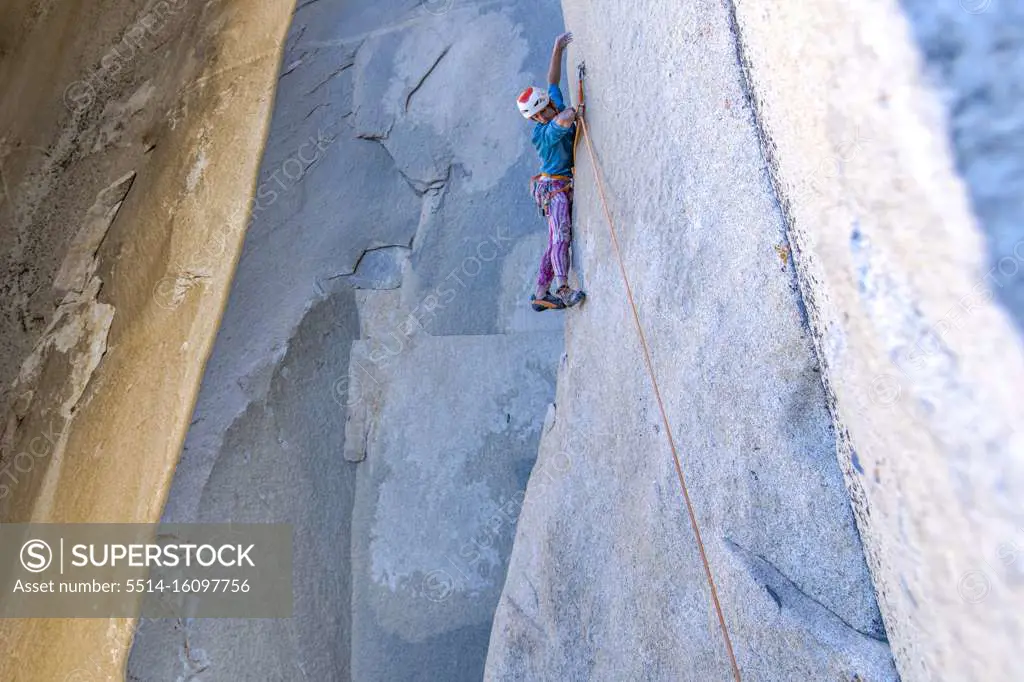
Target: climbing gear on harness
(570,297)
(532,101)
(584,133)
(543,187)
(549,302)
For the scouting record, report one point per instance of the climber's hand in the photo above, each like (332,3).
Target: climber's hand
(565,117)
(555,70)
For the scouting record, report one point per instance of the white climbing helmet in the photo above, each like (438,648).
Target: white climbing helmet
(532,101)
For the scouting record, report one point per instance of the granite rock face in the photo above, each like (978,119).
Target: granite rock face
(876,148)
(819,205)
(130,133)
(605,581)
(379,381)
(897,156)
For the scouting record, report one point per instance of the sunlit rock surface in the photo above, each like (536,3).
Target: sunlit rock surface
(130,137)
(605,580)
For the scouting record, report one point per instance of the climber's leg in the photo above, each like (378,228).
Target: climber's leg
(541,299)
(560,231)
(559,237)
(544,274)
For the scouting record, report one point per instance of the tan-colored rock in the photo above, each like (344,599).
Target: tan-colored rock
(109,312)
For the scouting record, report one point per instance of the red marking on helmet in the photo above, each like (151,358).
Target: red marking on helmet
(525,97)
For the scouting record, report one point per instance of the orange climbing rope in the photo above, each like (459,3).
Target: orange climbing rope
(582,132)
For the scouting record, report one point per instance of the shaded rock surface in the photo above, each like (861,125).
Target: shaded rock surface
(378,381)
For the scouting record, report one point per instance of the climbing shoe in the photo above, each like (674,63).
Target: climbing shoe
(570,297)
(549,302)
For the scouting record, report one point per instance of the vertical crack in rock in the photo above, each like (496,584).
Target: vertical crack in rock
(732,409)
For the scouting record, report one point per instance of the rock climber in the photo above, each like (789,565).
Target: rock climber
(553,136)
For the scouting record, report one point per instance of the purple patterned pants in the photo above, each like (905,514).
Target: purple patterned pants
(555,263)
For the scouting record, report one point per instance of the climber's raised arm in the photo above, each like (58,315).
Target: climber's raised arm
(555,70)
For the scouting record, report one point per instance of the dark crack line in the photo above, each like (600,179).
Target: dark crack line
(341,69)
(527,618)
(294,65)
(759,565)
(313,110)
(804,292)
(422,80)
(304,5)
(295,40)
(115,207)
(423,188)
(317,158)
(7,194)
(379,137)
(420,187)
(355,268)
(536,594)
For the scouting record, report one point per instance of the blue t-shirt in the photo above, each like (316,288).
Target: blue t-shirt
(553,142)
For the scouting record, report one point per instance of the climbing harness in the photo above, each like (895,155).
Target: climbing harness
(584,133)
(542,190)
